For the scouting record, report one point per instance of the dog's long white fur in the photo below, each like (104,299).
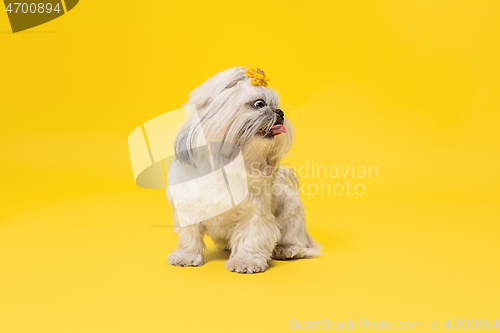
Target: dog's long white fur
(270,222)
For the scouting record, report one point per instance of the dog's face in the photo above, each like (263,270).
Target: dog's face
(230,109)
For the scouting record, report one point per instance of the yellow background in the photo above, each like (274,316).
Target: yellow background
(409,86)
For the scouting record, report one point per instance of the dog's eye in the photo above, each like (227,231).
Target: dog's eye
(259,104)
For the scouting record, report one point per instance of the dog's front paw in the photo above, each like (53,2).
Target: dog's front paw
(182,259)
(284,252)
(246,265)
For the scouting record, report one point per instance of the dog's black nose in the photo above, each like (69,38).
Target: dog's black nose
(281,116)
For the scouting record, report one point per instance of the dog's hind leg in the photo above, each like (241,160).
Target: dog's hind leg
(294,242)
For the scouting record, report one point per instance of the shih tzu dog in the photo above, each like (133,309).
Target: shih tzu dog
(236,107)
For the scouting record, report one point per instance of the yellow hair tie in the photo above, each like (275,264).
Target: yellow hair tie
(258,77)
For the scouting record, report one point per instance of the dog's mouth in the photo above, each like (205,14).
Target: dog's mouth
(272,131)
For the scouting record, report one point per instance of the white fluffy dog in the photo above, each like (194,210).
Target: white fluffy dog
(237,107)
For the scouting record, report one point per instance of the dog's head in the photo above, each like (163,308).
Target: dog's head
(231,109)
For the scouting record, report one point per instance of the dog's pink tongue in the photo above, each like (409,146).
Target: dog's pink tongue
(277,129)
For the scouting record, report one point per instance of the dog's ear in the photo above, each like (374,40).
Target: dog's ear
(189,134)
(181,148)
(202,96)
(186,141)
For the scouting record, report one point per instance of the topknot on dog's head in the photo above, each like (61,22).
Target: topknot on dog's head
(203,94)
